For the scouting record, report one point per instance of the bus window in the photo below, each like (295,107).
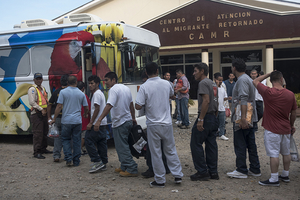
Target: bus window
(41,60)
(14,62)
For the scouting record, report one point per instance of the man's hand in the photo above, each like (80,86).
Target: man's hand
(51,122)
(244,124)
(293,130)
(97,125)
(200,126)
(134,122)
(44,112)
(89,126)
(229,98)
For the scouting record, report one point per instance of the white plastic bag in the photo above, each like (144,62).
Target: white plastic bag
(294,150)
(53,131)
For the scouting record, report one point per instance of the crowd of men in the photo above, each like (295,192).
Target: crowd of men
(244,97)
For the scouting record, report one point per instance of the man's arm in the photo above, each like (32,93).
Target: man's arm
(105,112)
(56,113)
(138,107)
(132,112)
(260,79)
(204,109)
(292,120)
(49,111)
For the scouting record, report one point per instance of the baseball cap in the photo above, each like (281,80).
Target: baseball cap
(38,75)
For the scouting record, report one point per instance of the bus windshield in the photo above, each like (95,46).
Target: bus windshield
(134,60)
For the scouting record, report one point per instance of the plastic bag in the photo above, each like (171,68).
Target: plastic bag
(227,112)
(294,150)
(53,131)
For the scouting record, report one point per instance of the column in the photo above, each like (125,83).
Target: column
(269,61)
(204,56)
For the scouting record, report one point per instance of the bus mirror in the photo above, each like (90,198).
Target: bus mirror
(129,60)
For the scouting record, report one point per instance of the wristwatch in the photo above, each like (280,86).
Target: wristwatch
(200,120)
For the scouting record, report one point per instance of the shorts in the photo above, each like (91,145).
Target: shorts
(276,143)
(83,134)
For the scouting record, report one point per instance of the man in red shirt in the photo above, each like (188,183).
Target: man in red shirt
(278,120)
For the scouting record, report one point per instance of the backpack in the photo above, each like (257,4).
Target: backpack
(137,140)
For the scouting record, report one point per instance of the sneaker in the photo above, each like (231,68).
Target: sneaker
(148,174)
(250,173)
(56,160)
(214,176)
(127,174)
(118,170)
(154,184)
(69,163)
(223,137)
(200,177)
(96,166)
(184,127)
(284,178)
(178,180)
(104,167)
(236,174)
(268,183)
(178,122)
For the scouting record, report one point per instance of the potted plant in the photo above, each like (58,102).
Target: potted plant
(297,96)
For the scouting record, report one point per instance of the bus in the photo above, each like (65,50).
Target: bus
(82,48)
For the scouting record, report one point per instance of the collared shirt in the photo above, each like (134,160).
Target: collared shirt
(33,98)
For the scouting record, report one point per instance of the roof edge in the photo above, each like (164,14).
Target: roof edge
(166,13)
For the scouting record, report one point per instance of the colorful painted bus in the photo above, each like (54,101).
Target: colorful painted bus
(81,49)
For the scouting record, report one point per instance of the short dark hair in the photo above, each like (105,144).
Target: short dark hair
(201,66)
(81,85)
(217,75)
(275,76)
(64,80)
(179,71)
(253,70)
(72,80)
(239,65)
(111,76)
(261,73)
(151,68)
(94,78)
(166,73)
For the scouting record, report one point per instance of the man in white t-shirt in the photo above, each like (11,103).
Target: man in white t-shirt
(120,104)
(222,96)
(95,141)
(154,94)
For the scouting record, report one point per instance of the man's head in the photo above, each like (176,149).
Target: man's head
(238,65)
(151,69)
(276,76)
(261,73)
(200,71)
(72,81)
(81,85)
(231,76)
(64,80)
(218,78)
(38,79)
(179,73)
(110,79)
(167,76)
(253,74)
(94,82)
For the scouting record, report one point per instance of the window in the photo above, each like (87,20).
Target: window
(41,59)
(247,56)
(14,62)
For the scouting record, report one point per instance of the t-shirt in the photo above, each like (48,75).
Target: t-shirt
(154,94)
(185,85)
(119,96)
(221,95)
(72,99)
(207,86)
(99,99)
(53,101)
(229,88)
(85,121)
(278,106)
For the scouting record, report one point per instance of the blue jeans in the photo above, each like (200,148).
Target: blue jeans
(178,109)
(121,134)
(221,118)
(57,141)
(245,139)
(97,139)
(184,111)
(209,161)
(71,132)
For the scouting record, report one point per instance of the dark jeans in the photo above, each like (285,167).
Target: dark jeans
(260,113)
(149,162)
(96,144)
(245,139)
(209,161)
(184,111)
(40,129)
